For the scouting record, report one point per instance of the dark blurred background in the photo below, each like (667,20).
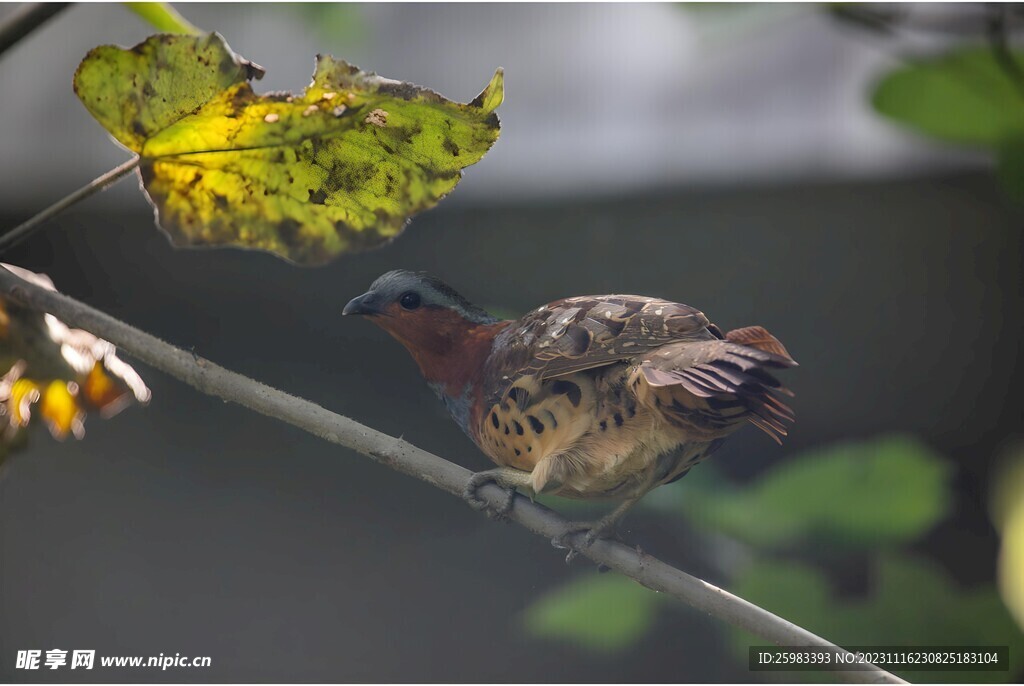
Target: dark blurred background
(728,158)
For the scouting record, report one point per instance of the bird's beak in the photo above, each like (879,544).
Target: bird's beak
(362,305)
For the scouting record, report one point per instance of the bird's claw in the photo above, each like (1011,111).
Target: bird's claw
(595,531)
(469,494)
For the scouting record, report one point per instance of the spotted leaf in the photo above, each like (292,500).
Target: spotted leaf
(138,93)
(338,168)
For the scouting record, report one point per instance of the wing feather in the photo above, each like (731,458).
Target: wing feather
(577,334)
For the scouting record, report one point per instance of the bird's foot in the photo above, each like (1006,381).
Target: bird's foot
(570,538)
(500,477)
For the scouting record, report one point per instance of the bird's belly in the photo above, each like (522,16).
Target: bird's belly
(622,461)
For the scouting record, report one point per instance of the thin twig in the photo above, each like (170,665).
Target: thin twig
(100,183)
(395,453)
(25,20)
(164,18)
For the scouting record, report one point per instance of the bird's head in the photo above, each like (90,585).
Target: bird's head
(423,313)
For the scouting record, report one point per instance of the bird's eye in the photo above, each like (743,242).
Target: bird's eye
(410,300)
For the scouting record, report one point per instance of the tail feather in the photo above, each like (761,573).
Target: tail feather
(691,382)
(759,338)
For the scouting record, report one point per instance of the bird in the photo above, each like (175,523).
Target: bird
(601,397)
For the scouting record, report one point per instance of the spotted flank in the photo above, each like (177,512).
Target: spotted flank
(535,419)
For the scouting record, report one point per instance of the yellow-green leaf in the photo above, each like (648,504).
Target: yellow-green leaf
(1011,562)
(137,93)
(1008,514)
(338,168)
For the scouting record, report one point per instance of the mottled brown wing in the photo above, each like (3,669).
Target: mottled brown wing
(576,334)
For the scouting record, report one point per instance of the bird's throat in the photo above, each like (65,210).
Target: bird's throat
(449,350)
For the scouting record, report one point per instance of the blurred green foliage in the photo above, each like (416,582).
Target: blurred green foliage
(909,602)
(965,96)
(971,96)
(885,491)
(1010,167)
(337,25)
(851,501)
(580,613)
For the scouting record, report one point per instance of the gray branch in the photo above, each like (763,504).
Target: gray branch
(26,19)
(404,457)
(36,221)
